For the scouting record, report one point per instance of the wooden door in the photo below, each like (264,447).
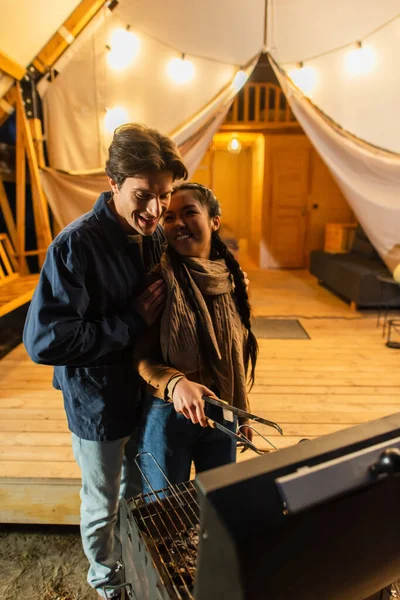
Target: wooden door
(232,187)
(289,207)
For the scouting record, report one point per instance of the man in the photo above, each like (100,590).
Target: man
(86,312)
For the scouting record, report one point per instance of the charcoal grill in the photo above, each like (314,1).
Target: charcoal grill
(160,535)
(314,521)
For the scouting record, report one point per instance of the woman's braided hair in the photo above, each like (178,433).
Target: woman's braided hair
(218,250)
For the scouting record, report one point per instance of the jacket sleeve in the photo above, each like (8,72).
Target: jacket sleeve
(56,331)
(149,363)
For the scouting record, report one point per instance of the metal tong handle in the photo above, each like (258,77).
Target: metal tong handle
(258,433)
(241,413)
(238,438)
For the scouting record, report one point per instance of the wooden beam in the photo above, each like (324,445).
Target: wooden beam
(9,98)
(11,67)
(62,39)
(40,209)
(37,136)
(20,168)
(10,251)
(7,213)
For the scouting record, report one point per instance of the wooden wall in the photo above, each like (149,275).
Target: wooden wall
(244,184)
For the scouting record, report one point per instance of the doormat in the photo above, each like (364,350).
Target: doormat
(278,329)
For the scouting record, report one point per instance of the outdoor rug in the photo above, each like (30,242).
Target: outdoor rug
(278,329)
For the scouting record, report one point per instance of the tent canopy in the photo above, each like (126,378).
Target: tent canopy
(343,55)
(218,38)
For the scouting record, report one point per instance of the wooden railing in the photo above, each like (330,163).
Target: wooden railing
(260,106)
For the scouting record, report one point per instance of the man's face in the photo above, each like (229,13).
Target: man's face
(142,200)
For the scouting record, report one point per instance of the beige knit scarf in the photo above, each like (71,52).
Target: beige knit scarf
(211,284)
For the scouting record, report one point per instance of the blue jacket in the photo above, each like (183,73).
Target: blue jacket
(81,321)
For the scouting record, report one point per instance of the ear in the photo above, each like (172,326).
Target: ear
(216,223)
(113,185)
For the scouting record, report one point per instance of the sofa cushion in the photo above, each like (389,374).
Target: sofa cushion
(354,277)
(362,246)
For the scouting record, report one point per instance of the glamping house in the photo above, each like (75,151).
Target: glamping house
(289,112)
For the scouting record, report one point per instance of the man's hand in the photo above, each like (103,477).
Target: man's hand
(187,399)
(150,304)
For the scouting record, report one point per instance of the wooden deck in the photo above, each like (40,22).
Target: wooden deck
(342,376)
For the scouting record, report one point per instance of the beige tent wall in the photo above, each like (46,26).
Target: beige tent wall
(365,104)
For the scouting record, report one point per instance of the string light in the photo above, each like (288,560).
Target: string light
(361,60)
(305,78)
(234,145)
(115,117)
(180,70)
(124,48)
(239,80)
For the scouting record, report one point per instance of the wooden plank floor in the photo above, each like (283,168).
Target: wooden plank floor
(342,376)
(16,291)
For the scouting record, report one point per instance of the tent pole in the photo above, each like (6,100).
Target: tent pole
(266,24)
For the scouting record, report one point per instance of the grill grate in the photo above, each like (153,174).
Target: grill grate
(170,523)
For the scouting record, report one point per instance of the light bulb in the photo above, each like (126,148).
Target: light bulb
(360,60)
(125,47)
(180,70)
(234,145)
(305,78)
(239,80)
(115,117)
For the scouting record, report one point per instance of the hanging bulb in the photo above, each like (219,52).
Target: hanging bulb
(239,80)
(234,145)
(305,78)
(124,48)
(115,117)
(180,70)
(361,60)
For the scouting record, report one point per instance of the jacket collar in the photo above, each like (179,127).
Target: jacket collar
(108,221)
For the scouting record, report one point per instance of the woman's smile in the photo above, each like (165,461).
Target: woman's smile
(188,226)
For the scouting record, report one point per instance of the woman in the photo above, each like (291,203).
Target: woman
(202,346)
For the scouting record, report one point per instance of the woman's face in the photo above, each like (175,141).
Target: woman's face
(188,227)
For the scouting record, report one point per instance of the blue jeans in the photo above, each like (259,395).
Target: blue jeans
(108,474)
(175,442)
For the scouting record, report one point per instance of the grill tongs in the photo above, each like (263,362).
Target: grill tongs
(242,439)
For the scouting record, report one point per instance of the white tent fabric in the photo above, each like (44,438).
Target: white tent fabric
(75,102)
(72,194)
(219,38)
(367,176)
(299,29)
(365,104)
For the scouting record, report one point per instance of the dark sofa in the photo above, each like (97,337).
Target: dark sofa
(353,276)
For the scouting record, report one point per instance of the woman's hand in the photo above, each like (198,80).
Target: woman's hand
(247,432)
(187,399)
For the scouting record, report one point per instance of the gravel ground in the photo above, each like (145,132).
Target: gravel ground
(42,563)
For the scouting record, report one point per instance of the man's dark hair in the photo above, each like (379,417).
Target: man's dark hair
(136,148)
